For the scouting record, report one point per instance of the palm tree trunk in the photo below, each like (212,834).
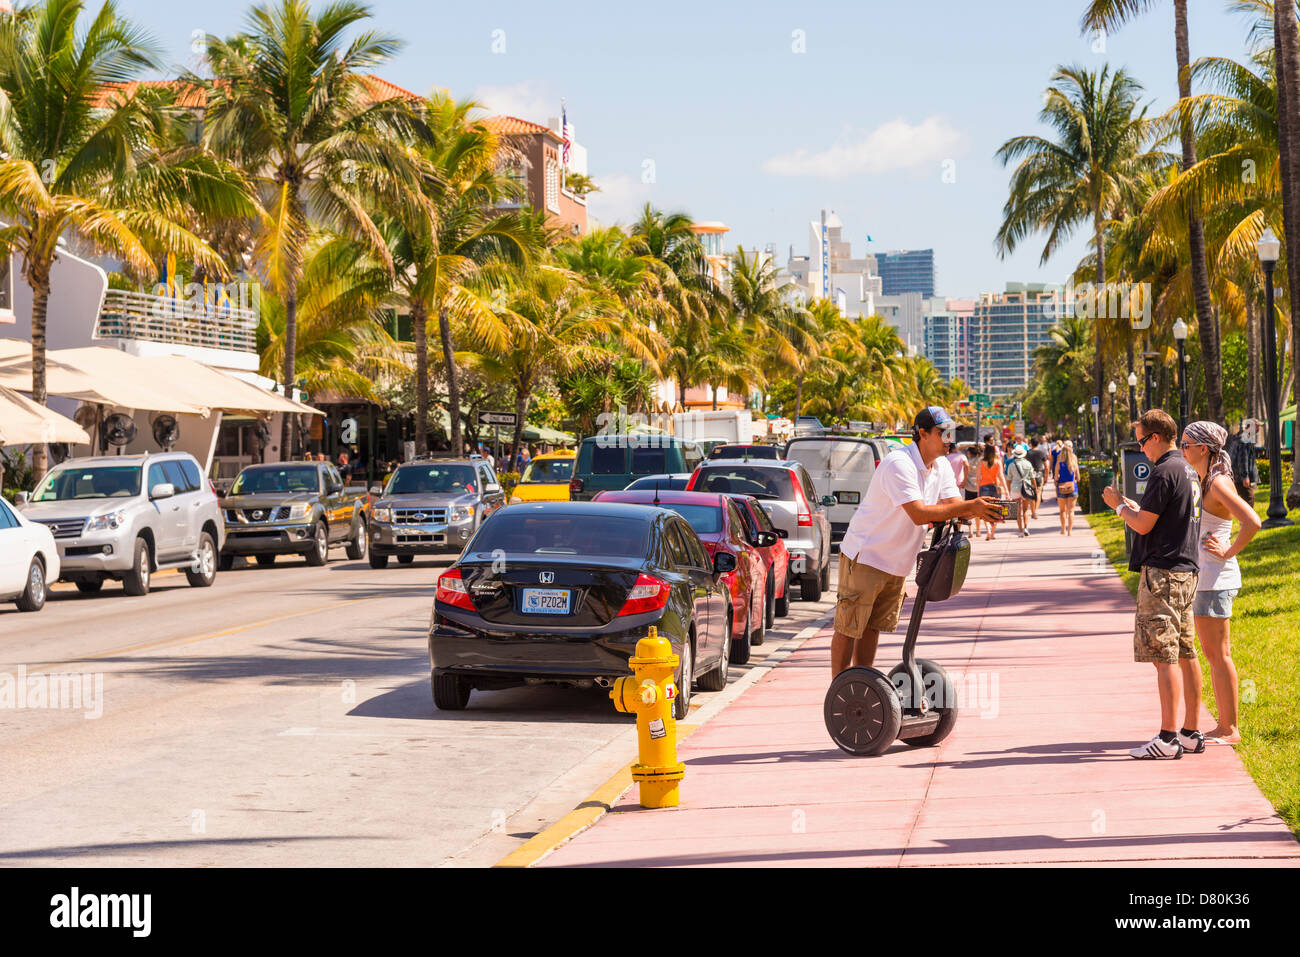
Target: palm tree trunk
(39,279)
(714,389)
(522,392)
(1287,53)
(1205,321)
(453,385)
(1096,319)
(420,327)
(287,421)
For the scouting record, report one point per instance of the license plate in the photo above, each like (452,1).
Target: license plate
(546,601)
(411,530)
(848,498)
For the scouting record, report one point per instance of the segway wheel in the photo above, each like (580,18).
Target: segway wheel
(940,695)
(862,711)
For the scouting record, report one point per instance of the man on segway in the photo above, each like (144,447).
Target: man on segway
(911,488)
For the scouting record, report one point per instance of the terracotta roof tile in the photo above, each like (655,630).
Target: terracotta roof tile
(514,126)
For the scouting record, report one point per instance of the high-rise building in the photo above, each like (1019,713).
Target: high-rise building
(1004,330)
(832,272)
(906,314)
(947,335)
(906,270)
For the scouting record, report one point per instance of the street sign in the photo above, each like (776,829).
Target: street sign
(496,418)
(981,400)
(1096,403)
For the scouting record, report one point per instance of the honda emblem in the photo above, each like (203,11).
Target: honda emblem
(546,577)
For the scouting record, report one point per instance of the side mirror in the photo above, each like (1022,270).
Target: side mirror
(22,498)
(333,488)
(783,533)
(162,490)
(763,539)
(376,490)
(724,562)
(490,489)
(829,501)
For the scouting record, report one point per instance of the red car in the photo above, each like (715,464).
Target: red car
(775,557)
(718,521)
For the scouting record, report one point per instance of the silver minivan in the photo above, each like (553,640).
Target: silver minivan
(841,466)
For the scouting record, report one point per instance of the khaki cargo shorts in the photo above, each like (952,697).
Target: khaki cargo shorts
(1164,631)
(867,598)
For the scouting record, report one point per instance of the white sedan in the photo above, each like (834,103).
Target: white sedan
(28,559)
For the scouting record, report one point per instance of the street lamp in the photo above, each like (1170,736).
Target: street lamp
(1180,336)
(1112,389)
(1132,399)
(1079,422)
(1268,248)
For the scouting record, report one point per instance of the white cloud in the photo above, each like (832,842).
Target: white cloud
(523,100)
(620,199)
(891,146)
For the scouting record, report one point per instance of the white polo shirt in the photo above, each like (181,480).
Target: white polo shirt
(880,533)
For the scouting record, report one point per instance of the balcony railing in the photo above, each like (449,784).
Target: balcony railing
(177,321)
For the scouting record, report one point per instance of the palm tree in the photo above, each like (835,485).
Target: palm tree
(79,157)
(780,330)
(1089,173)
(1109,15)
(287,102)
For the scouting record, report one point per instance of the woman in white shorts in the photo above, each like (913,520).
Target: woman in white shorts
(1219,577)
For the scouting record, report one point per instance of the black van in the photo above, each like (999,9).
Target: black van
(611,462)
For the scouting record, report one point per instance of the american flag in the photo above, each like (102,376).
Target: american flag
(564,131)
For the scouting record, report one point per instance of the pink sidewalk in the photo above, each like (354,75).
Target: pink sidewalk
(1036,771)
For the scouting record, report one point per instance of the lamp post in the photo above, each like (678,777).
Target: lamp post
(1132,400)
(1149,369)
(1268,248)
(1112,389)
(1078,423)
(1180,336)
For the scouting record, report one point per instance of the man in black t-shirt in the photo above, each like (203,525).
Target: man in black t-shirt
(1038,459)
(1167,524)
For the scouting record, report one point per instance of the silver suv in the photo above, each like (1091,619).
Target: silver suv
(431,507)
(786,492)
(128,516)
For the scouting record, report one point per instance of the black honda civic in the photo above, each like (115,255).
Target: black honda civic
(560,593)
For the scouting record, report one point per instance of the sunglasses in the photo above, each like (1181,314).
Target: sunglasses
(1187,445)
(1143,441)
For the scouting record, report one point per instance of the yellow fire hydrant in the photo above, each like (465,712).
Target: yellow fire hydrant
(649,693)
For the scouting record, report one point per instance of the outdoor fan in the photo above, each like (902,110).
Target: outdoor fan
(119,429)
(166,432)
(86,416)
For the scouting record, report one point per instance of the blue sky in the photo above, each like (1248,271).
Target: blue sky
(739,127)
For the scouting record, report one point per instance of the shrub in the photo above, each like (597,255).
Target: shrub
(1288,473)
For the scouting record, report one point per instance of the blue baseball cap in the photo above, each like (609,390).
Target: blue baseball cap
(932,416)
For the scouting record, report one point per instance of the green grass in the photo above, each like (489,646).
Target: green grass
(1265,647)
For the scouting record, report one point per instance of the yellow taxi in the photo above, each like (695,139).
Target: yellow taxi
(546,478)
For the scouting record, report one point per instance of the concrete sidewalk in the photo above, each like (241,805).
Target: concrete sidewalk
(1040,646)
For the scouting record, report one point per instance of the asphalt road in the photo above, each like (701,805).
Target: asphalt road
(283,717)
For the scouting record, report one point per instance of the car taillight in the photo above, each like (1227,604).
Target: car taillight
(690,483)
(648,594)
(452,590)
(803,512)
(575,486)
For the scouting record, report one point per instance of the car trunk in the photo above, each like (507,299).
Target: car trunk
(592,591)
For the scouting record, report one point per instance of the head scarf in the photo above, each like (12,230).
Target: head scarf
(1212,436)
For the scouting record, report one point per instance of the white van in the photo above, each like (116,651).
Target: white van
(841,466)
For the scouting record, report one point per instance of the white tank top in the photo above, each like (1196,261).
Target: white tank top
(1214,574)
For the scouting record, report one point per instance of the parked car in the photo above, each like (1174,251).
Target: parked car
(718,522)
(842,466)
(751,450)
(809,425)
(674,482)
(292,508)
(432,507)
(788,495)
(545,478)
(561,592)
(128,516)
(29,560)
(776,559)
(607,463)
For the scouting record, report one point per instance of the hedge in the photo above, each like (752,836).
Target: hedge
(1288,473)
(1085,481)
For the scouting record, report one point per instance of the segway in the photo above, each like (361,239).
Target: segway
(865,710)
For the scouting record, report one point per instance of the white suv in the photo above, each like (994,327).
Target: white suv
(29,560)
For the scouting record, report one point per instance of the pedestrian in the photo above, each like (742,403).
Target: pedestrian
(345,467)
(1219,577)
(971,479)
(1022,483)
(992,480)
(1245,468)
(1038,459)
(1166,524)
(1067,486)
(957,460)
(912,487)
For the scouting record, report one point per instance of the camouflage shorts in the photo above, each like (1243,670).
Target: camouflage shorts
(1164,631)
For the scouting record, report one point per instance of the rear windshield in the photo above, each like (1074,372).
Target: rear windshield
(664,482)
(740,451)
(562,534)
(705,519)
(757,481)
(423,479)
(649,461)
(548,471)
(301,478)
(116,481)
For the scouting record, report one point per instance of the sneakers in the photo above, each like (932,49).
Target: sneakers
(1193,743)
(1158,749)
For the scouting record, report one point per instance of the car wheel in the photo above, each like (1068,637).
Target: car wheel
(320,551)
(33,596)
(357,547)
(205,572)
(682,703)
(379,561)
(810,587)
(740,647)
(405,559)
(264,560)
(136,581)
(91,586)
(450,692)
(769,603)
(782,605)
(716,679)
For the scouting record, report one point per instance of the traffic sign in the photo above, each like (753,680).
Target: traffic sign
(496,418)
(1096,403)
(981,400)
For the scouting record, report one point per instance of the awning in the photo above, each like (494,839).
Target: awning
(93,374)
(24,422)
(540,433)
(219,390)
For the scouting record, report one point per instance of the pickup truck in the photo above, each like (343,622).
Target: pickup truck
(128,516)
(432,507)
(293,508)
